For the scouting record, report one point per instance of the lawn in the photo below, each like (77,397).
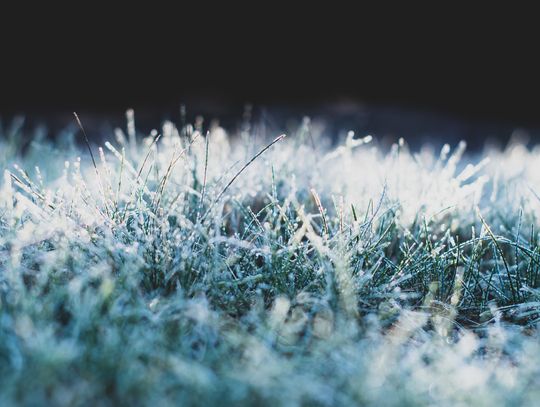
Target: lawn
(196,266)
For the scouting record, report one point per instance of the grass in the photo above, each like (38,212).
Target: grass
(189,267)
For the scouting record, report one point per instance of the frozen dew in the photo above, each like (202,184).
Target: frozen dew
(196,267)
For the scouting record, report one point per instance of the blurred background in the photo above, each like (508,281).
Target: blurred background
(428,80)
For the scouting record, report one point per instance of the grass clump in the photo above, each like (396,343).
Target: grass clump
(188,267)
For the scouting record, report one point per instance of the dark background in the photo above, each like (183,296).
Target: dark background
(443,77)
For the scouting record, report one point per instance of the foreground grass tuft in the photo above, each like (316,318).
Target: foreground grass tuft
(187,267)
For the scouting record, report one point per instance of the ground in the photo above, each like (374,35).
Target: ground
(190,266)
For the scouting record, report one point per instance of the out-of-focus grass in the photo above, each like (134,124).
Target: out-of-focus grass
(173,273)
